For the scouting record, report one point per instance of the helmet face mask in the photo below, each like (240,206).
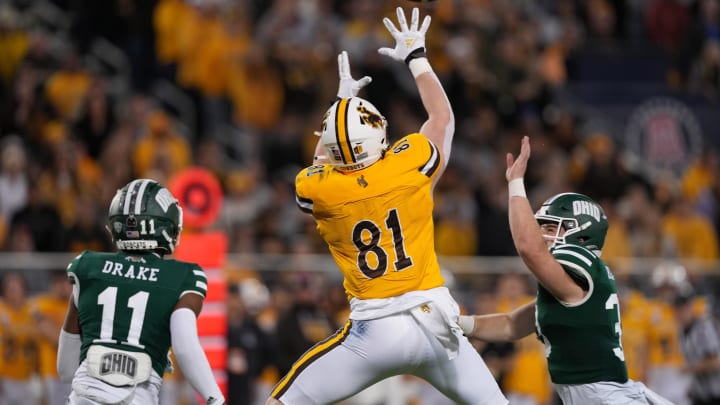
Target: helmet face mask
(145,216)
(582,219)
(353,134)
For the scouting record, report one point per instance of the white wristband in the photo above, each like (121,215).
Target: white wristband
(467,324)
(419,66)
(516,188)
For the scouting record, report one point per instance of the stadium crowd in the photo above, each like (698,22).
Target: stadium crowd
(238,87)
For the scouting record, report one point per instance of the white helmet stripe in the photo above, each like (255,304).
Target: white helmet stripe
(126,205)
(139,196)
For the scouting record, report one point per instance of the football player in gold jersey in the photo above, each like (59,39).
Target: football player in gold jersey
(373,206)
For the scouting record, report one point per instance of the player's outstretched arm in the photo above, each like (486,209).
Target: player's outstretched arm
(500,327)
(410,48)
(527,236)
(188,351)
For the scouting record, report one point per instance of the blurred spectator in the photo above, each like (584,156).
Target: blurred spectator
(68,173)
(665,360)
(161,151)
(40,220)
(527,380)
(554,177)
(704,76)
(170,20)
(48,315)
(643,218)
(698,179)
(603,22)
(298,35)
(304,323)
(250,348)
(617,241)
(247,193)
(96,119)
(135,19)
(224,45)
(256,90)
(634,319)
(87,233)
(13,177)
(693,235)
(67,88)
(455,215)
(603,175)
(19,350)
(704,28)
(700,341)
(14,44)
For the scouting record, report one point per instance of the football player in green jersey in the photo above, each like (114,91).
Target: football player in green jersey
(576,313)
(127,308)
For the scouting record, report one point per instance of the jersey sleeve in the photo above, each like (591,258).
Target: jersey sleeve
(75,275)
(304,185)
(303,202)
(577,262)
(74,268)
(422,153)
(195,281)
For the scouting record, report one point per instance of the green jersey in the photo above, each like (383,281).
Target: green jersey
(582,340)
(125,301)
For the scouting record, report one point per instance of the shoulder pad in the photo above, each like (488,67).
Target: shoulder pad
(574,256)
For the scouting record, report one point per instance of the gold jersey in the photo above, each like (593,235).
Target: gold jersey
(634,319)
(18,347)
(377,221)
(663,336)
(53,309)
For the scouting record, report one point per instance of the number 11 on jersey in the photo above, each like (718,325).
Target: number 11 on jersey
(138,303)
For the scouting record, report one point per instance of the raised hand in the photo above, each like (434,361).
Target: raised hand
(348,86)
(516,167)
(407,40)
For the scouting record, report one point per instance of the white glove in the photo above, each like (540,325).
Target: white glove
(349,87)
(409,42)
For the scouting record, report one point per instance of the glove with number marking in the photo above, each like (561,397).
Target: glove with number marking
(349,87)
(409,42)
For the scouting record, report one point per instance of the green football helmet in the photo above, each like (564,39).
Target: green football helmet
(144,215)
(583,220)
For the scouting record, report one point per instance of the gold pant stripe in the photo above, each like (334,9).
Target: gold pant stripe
(341,132)
(308,357)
